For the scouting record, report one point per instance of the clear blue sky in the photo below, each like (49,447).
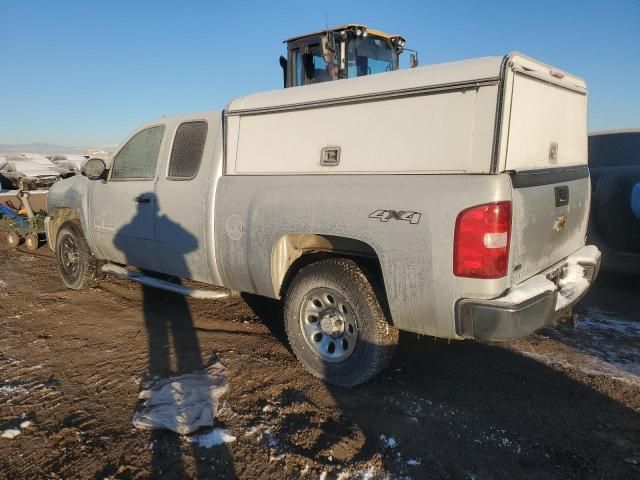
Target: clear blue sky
(87,72)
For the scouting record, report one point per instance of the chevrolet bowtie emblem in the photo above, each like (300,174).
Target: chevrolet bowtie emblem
(560,222)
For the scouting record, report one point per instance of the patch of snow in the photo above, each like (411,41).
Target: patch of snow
(414,461)
(3,284)
(25,424)
(588,254)
(11,433)
(272,441)
(497,437)
(602,343)
(7,390)
(528,289)
(276,458)
(253,430)
(571,285)
(213,438)
(305,470)
(388,442)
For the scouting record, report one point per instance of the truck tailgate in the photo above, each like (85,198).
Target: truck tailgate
(549,221)
(546,156)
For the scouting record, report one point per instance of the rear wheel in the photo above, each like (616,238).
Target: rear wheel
(13,239)
(336,325)
(32,242)
(78,267)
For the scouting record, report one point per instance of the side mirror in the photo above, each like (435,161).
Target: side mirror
(95,169)
(283,64)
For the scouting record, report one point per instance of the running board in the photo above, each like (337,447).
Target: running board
(164,285)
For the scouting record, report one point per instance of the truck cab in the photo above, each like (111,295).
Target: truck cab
(345,51)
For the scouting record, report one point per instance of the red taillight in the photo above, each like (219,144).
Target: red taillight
(481,241)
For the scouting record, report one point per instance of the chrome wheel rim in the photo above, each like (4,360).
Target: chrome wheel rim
(69,256)
(328,324)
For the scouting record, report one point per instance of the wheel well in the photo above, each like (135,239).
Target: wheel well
(59,218)
(295,251)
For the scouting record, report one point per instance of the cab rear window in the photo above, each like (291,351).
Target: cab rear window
(187,150)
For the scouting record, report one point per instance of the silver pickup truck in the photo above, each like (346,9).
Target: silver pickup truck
(448,200)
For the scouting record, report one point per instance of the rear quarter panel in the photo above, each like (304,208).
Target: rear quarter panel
(254,212)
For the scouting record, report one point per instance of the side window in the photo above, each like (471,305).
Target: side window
(317,70)
(139,156)
(297,62)
(188,146)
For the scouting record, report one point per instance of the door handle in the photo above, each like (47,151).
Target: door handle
(142,199)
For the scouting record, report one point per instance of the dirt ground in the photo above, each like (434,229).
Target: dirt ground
(563,403)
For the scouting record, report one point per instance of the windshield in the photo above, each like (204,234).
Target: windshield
(367,55)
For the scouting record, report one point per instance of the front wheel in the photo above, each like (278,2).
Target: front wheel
(13,239)
(32,242)
(77,266)
(336,325)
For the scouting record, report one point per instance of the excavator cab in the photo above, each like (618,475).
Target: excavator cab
(342,52)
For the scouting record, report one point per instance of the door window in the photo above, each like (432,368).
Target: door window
(297,77)
(316,69)
(188,146)
(138,158)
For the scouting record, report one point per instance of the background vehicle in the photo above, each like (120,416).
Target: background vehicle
(71,162)
(449,200)
(614,161)
(346,51)
(30,171)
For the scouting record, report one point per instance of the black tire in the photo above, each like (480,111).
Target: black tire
(13,240)
(32,242)
(85,270)
(376,337)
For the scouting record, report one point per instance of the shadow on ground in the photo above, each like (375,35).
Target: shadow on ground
(467,410)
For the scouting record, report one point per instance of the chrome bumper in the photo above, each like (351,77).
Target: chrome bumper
(535,303)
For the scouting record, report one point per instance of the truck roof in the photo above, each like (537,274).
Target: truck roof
(397,81)
(400,82)
(346,26)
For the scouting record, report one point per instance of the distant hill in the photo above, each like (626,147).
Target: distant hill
(47,148)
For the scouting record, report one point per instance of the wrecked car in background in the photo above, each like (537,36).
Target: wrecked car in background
(71,162)
(26,171)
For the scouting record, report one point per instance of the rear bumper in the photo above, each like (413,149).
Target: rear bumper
(537,302)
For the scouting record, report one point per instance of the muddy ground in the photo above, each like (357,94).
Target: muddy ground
(560,404)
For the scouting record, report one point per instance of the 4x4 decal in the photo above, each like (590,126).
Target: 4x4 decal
(386,215)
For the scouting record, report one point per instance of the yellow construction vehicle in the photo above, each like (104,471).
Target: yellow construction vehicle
(341,52)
